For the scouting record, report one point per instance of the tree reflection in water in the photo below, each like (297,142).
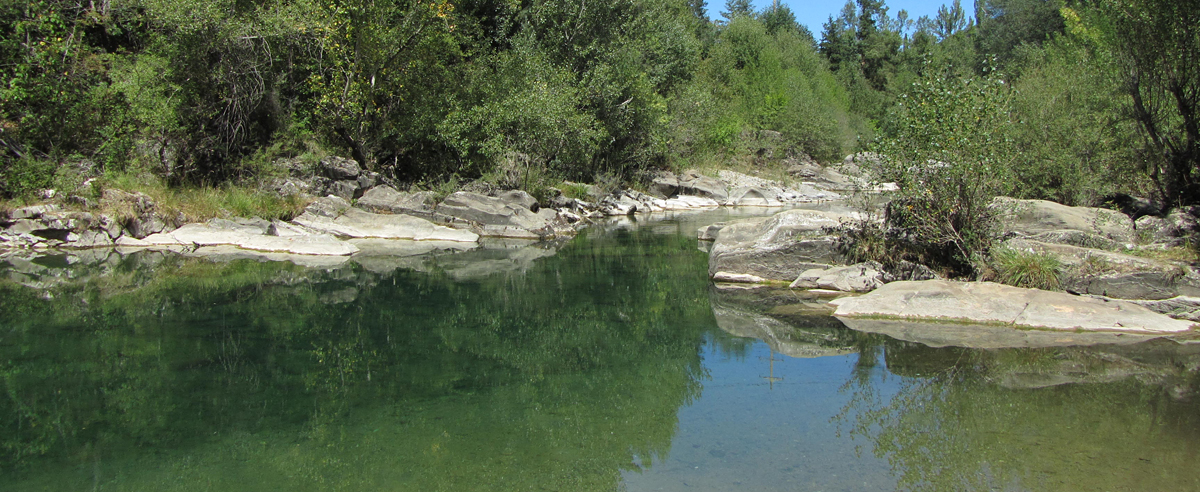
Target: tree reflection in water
(175,374)
(1074,418)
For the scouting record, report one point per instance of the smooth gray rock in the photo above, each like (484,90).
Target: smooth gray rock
(753,197)
(1109,274)
(386,200)
(355,223)
(1034,217)
(988,302)
(862,277)
(777,248)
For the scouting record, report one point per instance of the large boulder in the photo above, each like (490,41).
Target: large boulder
(332,215)
(664,185)
(780,247)
(339,168)
(519,198)
(1110,274)
(693,183)
(1056,223)
(496,217)
(988,302)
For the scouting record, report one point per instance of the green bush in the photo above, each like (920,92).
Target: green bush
(949,155)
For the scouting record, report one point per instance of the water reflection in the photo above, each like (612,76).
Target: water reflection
(606,363)
(484,370)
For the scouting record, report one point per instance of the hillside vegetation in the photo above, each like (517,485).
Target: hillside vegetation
(1069,100)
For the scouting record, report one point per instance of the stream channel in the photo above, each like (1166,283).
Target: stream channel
(609,362)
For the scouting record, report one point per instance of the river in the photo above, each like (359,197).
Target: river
(609,362)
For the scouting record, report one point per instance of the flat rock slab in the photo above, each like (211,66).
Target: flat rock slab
(200,235)
(988,302)
(355,223)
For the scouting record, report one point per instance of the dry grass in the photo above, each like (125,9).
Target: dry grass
(1185,253)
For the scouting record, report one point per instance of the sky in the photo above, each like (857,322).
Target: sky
(814,13)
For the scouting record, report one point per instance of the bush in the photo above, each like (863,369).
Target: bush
(1028,270)
(947,152)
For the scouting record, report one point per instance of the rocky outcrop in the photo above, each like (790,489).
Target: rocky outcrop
(1051,222)
(987,302)
(1111,274)
(495,217)
(1182,307)
(777,248)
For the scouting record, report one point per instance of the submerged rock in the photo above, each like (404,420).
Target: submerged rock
(987,302)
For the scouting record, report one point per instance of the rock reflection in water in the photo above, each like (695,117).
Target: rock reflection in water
(988,408)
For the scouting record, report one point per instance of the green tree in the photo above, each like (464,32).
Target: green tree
(1155,45)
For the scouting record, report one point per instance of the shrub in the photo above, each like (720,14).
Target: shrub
(947,153)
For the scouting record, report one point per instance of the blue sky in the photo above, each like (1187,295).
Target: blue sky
(814,13)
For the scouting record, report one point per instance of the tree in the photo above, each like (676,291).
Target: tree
(950,20)
(737,8)
(1155,45)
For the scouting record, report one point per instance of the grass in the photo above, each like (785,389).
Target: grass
(1028,270)
(1185,253)
(575,191)
(195,204)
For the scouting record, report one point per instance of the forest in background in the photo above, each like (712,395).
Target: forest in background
(1068,100)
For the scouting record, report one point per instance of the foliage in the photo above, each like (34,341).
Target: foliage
(1155,47)
(949,156)
(1025,269)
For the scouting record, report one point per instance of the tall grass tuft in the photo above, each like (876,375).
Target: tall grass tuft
(1027,269)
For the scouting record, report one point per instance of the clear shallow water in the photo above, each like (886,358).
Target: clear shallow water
(610,364)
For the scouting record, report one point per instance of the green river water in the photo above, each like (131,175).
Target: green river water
(609,362)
